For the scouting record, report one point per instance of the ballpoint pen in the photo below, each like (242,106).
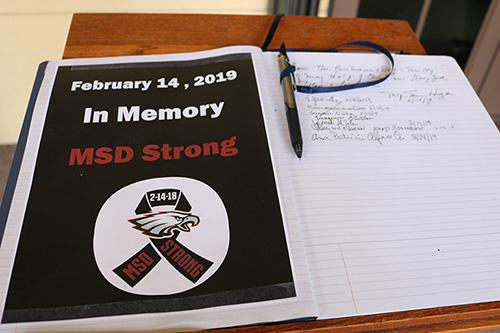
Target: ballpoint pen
(290,104)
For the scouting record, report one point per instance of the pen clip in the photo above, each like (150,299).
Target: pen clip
(294,82)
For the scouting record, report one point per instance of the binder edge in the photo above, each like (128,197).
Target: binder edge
(19,152)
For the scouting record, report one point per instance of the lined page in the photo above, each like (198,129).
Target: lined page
(398,190)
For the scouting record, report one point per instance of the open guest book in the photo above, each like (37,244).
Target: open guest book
(161,192)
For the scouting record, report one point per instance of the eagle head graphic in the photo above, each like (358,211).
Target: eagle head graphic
(163,224)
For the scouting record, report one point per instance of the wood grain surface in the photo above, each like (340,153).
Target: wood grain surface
(6,156)
(100,35)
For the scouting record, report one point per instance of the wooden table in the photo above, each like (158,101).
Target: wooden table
(98,35)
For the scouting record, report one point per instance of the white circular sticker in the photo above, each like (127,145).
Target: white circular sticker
(161,236)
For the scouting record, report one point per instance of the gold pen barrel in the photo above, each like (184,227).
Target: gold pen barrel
(286,83)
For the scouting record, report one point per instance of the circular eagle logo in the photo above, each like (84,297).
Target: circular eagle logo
(161,236)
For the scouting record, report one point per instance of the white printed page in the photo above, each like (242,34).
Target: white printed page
(299,304)
(398,189)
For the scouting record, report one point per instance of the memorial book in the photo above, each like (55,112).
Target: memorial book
(161,192)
